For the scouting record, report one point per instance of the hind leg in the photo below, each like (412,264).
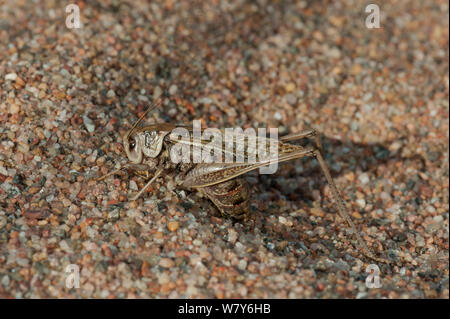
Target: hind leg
(302,135)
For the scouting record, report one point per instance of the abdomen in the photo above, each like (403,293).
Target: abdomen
(232,197)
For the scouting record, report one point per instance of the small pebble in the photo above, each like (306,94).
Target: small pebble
(232,236)
(5,281)
(11,76)
(364,178)
(166,263)
(173,89)
(110,94)
(14,108)
(361,202)
(172,226)
(89,124)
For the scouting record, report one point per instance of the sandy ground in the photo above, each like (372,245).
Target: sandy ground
(379,97)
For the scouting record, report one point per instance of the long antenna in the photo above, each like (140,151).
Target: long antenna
(154,105)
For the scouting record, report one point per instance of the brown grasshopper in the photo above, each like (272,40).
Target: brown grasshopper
(148,148)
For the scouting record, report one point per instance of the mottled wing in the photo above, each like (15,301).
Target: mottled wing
(242,148)
(205,174)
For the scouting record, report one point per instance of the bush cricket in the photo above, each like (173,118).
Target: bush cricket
(148,148)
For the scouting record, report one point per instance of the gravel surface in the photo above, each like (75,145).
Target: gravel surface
(379,96)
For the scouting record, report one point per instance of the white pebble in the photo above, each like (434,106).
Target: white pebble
(64,246)
(173,89)
(3,171)
(197,242)
(89,124)
(361,202)
(157,92)
(278,116)
(364,178)
(5,281)
(11,76)
(163,278)
(232,236)
(242,264)
(133,185)
(111,94)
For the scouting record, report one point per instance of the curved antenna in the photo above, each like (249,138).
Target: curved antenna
(154,105)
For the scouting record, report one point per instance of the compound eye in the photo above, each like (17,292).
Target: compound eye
(132,148)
